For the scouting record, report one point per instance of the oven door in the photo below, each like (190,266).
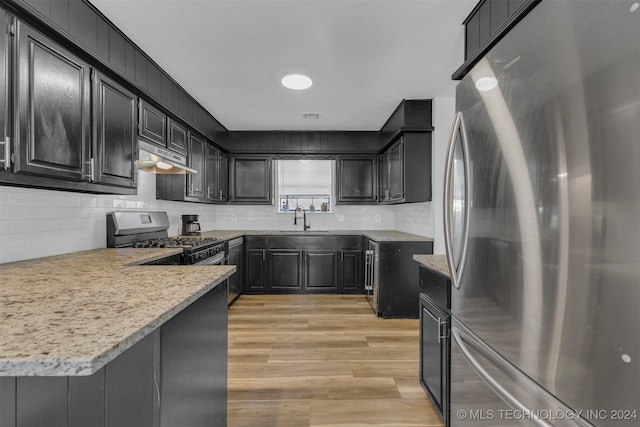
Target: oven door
(218,259)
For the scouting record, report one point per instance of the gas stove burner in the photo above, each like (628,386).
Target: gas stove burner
(176,242)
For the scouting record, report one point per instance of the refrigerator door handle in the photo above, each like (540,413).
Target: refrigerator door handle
(543,404)
(461,339)
(456,265)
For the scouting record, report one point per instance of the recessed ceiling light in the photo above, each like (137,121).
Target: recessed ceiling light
(296,81)
(485,84)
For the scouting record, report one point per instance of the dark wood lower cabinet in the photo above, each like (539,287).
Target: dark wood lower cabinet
(193,351)
(131,382)
(350,270)
(285,269)
(176,376)
(255,277)
(320,271)
(303,264)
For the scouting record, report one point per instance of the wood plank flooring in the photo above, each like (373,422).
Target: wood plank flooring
(320,361)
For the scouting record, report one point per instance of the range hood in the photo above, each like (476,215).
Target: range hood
(158,160)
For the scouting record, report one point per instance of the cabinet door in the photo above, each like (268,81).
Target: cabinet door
(434,355)
(396,171)
(177,136)
(385,191)
(223,178)
(350,270)
(52,107)
(236,280)
(320,271)
(255,272)
(4,94)
(115,145)
(285,269)
(357,180)
(153,124)
(195,182)
(251,180)
(212,171)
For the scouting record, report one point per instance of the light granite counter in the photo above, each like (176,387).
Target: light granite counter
(71,314)
(434,262)
(375,235)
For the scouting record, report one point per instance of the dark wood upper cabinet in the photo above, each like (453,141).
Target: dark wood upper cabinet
(392,173)
(405,169)
(153,124)
(195,182)
(223,177)
(357,179)
(52,108)
(114,127)
(178,136)
(250,179)
(216,174)
(486,24)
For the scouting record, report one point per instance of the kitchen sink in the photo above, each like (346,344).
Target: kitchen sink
(303,232)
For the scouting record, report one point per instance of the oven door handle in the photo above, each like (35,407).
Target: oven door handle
(218,259)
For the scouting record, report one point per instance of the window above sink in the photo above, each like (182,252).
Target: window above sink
(304,185)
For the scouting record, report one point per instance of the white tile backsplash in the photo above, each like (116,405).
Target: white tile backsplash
(36,223)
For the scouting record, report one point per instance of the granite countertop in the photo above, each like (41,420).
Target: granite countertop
(72,314)
(437,263)
(376,235)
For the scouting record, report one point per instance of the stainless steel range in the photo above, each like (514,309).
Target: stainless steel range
(150,230)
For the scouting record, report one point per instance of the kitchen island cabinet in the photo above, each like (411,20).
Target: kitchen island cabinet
(127,344)
(435,325)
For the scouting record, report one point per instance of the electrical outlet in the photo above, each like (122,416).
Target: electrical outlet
(340,218)
(234,218)
(377,218)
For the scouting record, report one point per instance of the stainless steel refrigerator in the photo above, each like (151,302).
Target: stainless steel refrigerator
(542,218)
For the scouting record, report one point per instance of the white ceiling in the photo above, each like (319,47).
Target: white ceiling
(364,56)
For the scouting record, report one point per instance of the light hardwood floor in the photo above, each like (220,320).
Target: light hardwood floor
(322,360)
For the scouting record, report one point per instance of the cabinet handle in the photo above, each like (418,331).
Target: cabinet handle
(92,170)
(6,159)
(440,323)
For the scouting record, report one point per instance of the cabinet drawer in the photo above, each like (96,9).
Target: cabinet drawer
(436,286)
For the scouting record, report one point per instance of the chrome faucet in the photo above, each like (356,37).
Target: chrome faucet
(305,227)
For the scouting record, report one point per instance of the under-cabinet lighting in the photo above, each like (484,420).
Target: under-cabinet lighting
(163,165)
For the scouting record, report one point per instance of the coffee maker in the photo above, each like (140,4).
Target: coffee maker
(190,225)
